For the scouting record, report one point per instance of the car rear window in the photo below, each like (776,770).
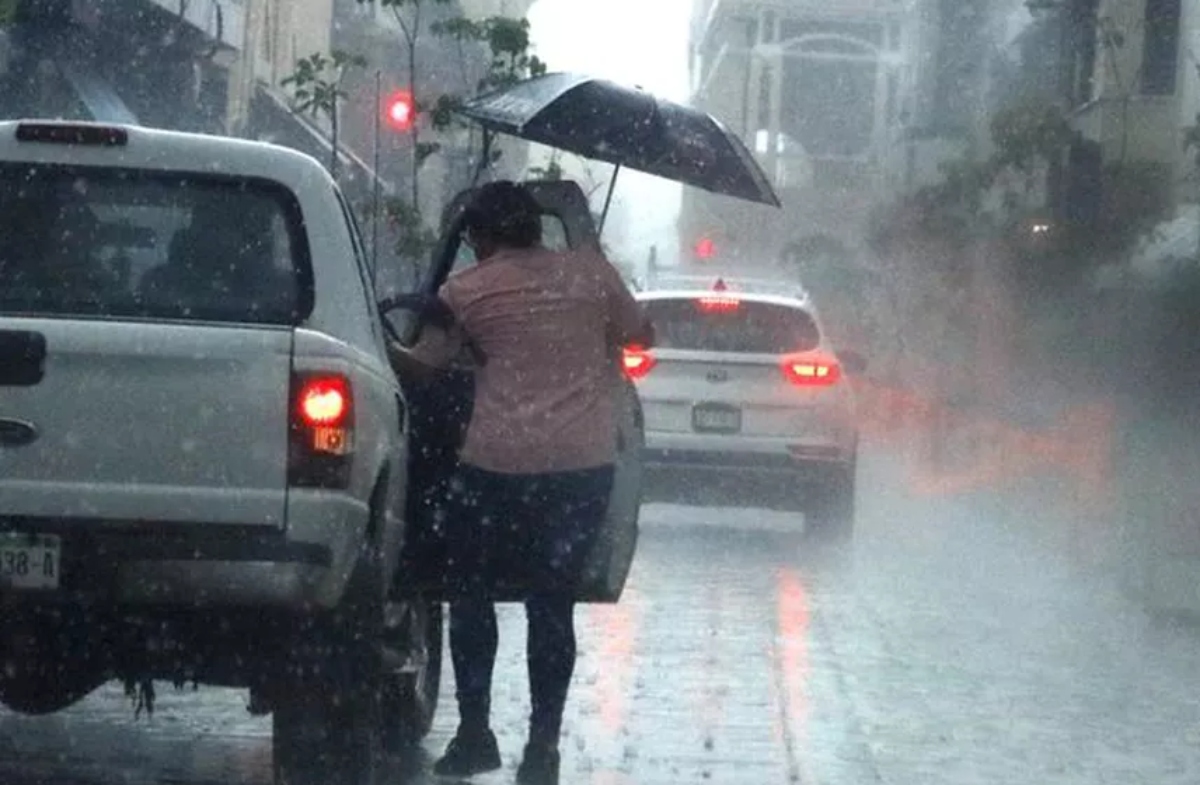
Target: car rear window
(732,326)
(105,242)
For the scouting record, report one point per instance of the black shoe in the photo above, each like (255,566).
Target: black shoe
(539,766)
(468,754)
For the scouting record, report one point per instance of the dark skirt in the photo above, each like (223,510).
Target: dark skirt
(509,536)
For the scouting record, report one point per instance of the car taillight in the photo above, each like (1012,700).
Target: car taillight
(321,431)
(718,304)
(811,371)
(637,362)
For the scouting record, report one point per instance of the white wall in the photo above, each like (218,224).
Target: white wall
(477,9)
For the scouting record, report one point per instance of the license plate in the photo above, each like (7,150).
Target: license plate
(29,561)
(716,418)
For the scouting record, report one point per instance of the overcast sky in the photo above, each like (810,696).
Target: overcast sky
(642,42)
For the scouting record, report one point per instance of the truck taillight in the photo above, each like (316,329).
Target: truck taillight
(321,443)
(807,370)
(324,402)
(636,362)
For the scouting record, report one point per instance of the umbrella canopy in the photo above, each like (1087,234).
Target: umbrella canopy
(626,126)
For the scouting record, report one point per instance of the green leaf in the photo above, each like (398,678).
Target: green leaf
(507,36)
(443,115)
(459,29)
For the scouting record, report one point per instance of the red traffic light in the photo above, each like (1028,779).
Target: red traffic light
(706,248)
(399,111)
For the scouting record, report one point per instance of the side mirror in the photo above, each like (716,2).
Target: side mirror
(854,363)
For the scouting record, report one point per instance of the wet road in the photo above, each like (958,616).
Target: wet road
(951,649)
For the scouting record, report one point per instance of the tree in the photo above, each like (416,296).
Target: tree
(8,11)
(1025,135)
(317,90)
(507,44)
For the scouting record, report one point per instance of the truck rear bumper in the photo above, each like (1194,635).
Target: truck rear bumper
(106,563)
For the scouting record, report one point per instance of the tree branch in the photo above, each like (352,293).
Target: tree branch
(404,29)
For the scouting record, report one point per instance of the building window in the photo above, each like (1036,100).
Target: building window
(1160,55)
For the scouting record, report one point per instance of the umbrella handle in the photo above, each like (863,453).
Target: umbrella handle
(485,157)
(612,184)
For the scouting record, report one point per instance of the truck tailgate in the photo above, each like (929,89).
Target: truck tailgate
(141,421)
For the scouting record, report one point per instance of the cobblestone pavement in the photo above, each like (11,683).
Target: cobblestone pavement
(950,649)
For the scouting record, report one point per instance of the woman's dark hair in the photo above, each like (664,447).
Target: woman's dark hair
(505,213)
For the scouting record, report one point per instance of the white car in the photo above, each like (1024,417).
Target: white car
(743,395)
(209,472)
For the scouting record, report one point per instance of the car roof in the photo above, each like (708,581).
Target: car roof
(162,150)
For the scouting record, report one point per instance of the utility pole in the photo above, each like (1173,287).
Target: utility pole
(242,73)
(375,195)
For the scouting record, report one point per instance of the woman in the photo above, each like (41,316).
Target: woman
(537,464)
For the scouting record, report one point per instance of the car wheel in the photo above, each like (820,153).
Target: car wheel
(410,693)
(830,510)
(328,708)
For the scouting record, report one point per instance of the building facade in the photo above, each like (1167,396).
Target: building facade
(1126,74)
(817,91)
(481,9)
(847,105)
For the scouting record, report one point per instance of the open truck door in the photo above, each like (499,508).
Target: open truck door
(440,412)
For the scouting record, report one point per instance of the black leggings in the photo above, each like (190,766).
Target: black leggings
(541,526)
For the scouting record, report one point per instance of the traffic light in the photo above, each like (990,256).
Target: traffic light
(399,111)
(705,248)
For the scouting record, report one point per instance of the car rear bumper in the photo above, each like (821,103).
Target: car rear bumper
(776,478)
(744,463)
(769,455)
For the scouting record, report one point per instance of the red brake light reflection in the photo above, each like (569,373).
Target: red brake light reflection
(325,402)
(808,371)
(636,362)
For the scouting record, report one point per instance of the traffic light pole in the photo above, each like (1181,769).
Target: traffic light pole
(375,179)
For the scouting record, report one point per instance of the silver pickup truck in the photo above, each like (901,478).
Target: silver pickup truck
(208,471)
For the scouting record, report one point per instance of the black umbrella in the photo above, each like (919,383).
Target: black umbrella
(627,127)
